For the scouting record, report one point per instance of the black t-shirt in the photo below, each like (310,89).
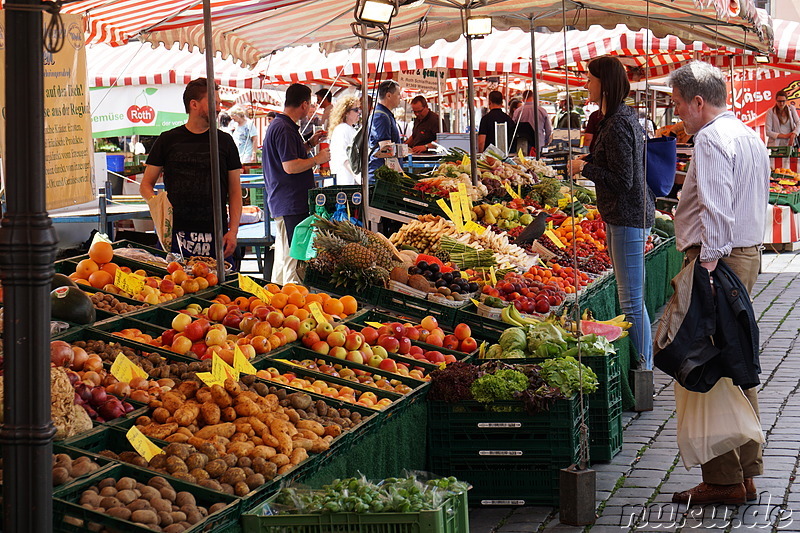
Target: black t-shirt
(495,116)
(186,159)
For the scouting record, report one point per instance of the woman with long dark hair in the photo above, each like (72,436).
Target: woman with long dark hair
(616,166)
(783,123)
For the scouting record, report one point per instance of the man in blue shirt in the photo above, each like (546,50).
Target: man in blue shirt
(289,175)
(384,127)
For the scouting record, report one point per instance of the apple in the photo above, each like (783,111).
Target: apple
(321,347)
(306,326)
(462,331)
(404,345)
(336,338)
(248,351)
(290,334)
(338,352)
(281,337)
(385,330)
(402,370)
(412,333)
(375,361)
(419,356)
(167,337)
(291,321)
(416,350)
(437,331)
(429,323)
(275,318)
(192,311)
(180,321)
(324,329)
(423,334)
(398,329)
(199,349)
(353,341)
(355,357)
(232,320)
(388,365)
(436,340)
(247,324)
(390,344)
(215,337)
(435,357)
(370,334)
(380,351)
(181,345)
(366,350)
(261,312)
(166,286)
(341,327)
(310,338)
(194,331)
(261,328)
(216,312)
(449,358)
(450,342)
(468,345)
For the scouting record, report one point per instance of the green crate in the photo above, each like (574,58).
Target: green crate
(66,509)
(330,194)
(322,282)
(403,201)
(451,517)
(498,481)
(790,199)
(414,307)
(58,447)
(605,434)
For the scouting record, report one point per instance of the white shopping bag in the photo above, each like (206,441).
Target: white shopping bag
(713,423)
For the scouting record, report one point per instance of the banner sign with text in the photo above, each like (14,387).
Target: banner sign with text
(753,98)
(67,124)
(136,109)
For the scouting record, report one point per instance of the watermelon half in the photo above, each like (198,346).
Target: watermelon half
(608,331)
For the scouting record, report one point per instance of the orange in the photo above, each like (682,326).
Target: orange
(101,252)
(242,303)
(81,281)
(100,279)
(333,306)
(279,301)
(302,314)
(313,297)
(324,297)
(350,304)
(303,290)
(111,268)
(86,268)
(289,309)
(297,299)
(256,303)
(274,289)
(289,288)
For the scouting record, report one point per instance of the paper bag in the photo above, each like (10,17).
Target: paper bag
(713,423)
(161,213)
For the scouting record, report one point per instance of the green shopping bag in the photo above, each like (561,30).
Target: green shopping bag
(302,247)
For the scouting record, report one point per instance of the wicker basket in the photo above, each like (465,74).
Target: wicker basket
(543,253)
(402,288)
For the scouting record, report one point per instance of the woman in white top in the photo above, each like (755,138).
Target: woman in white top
(783,124)
(344,116)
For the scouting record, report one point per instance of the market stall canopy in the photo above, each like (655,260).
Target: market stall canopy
(141,64)
(251,29)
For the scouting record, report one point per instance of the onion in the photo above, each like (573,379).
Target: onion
(111,410)
(121,389)
(77,400)
(138,383)
(61,353)
(84,391)
(93,363)
(140,396)
(127,407)
(99,396)
(73,378)
(92,378)
(91,412)
(79,358)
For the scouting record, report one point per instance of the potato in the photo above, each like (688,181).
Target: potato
(294,417)
(91,498)
(158,482)
(188,388)
(175,528)
(176,464)
(217,507)
(149,493)
(172,401)
(233,387)
(300,400)
(280,460)
(255,480)
(320,445)
(161,431)
(285,469)
(182,451)
(240,437)
(198,474)
(210,484)
(178,516)
(216,468)
(107,482)
(137,505)
(60,476)
(265,452)
(233,476)
(144,517)
(196,460)
(298,456)
(185,498)
(228,414)
(226,430)
(316,427)
(178,437)
(164,518)
(123,513)
(209,451)
(230,459)
(194,517)
(303,443)
(221,397)
(187,414)
(160,504)
(108,491)
(126,483)
(247,407)
(333,430)
(227,489)
(109,501)
(244,462)
(126,496)
(270,470)
(160,415)
(241,489)
(210,413)
(158,461)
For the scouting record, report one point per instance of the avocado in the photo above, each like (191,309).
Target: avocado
(60,280)
(72,304)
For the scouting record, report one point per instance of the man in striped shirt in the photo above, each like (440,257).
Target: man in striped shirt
(721,215)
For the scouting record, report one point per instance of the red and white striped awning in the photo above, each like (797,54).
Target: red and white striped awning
(787,40)
(140,64)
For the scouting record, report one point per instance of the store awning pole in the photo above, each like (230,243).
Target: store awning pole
(535,89)
(213,140)
(473,135)
(27,253)
(366,113)
(439,101)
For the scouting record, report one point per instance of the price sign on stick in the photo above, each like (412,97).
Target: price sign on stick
(511,191)
(222,370)
(125,370)
(130,283)
(240,362)
(143,446)
(209,379)
(316,312)
(374,324)
(247,284)
(458,218)
(553,237)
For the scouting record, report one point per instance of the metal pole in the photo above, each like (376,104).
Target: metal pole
(535,89)
(440,101)
(27,252)
(366,113)
(213,141)
(473,135)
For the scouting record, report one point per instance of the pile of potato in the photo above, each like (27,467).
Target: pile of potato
(109,304)
(157,505)
(66,469)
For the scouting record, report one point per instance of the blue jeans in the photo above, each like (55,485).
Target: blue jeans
(626,249)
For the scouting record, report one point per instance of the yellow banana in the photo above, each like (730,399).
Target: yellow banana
(614,321)
(504,316)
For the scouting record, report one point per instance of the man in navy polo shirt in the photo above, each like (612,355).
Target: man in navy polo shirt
(289,175)
(384,125)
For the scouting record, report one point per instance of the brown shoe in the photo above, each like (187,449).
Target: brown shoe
(707,493)
(750,489)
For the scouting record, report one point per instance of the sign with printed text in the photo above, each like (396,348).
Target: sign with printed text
(240,362)
(511,191)
(247,284)
(209,379)
(125,370)
(143,446)
(130,283)
(68,150)
(553,237)
(222,370)
(455,205)
(421,79)
(316,312)
(374,324)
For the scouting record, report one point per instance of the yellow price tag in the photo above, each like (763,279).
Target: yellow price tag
(143,446)
(474,227)
(519,190)
(374,324)
(240,362)
(463,275)
(474,301)
(542,263)
(125,370)
(552,236)
(209,379)
(521,155)
(247,284)
(130,283)
(222,370)
(492,275)
(316,312)
(465,161)
(550,225)
(446,208)
(466,203)
(455,204)
(511,191)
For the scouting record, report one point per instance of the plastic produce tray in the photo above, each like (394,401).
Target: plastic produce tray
(402,200)
(415,307)
(322,282)
(330,195)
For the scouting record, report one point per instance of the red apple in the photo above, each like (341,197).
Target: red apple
(468,345)
(404,346)
(449,358)
(247,324)
(166,286)
(275,318)
(390,344)
(462,331)
(336,338)
(370,335)
(167,337)
(310,339)
(290,334)
(338,352)
(384,330)
(436,340)
(353,341)
(199,349)
(232,320)
(388,365)
(435,357)
(194,331)
(355,357)
(321,347)
(262,312)
(429,323)
(450,342)
(291,321)
(217,312)
(412,333)
(261,329)
(248,351)
(398,329)
(416,350)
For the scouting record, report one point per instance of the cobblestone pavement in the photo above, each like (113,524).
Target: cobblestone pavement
(638,483)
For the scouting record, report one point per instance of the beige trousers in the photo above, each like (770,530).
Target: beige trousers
(284,268)
(745,461)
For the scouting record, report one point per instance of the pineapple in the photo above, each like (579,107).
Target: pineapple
(347,232)
(325,241)
(354,255)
